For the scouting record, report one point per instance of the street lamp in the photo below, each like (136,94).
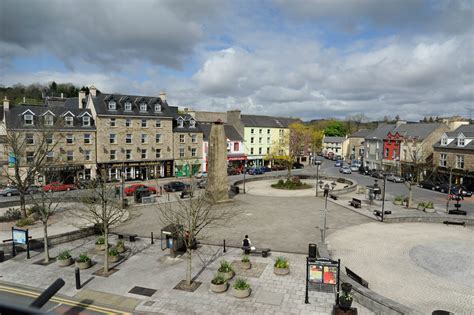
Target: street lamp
(317,163)
(245,171)
(326,189)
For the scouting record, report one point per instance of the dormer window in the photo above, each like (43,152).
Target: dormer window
(128,106)
(28,119)
(69,120)
(180,122)
(444,141)
(157,108)
(86,121)
(461,141)
(48,120)
(192,123)
(143,107)
(112,105)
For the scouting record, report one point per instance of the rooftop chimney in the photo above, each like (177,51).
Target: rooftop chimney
(82,96)
(400,122)
(62,95)
(163,96)
(93,91)
(24,99)
(6,104)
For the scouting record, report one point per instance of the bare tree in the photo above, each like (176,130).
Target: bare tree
(191,217)
(28,150)
(102,210)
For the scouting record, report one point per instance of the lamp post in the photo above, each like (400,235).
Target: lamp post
(317,163)
(383,195)
(326,189)
(245,171)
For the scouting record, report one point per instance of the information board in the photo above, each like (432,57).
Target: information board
(19,236)
(322,272)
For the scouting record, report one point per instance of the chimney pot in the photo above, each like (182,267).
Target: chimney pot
(24,99)
(93,91)
(6,104)
(62,95)
(82,96)
(163,96)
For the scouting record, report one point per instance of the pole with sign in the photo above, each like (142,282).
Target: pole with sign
(322,274)
(20,236)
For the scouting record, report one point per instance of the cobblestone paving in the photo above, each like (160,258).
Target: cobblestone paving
(380,253)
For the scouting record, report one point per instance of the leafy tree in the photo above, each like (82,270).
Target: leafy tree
(335,129)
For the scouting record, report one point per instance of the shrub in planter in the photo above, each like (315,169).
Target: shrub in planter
(398,200)
(226,270)
(64,258)
(345,300)
(83,261)
(282,266)
(114,255)
(100,243)
(245,262)
(429,207)
(241,288)
(25,222)
(120,246)
(219,284)
(421,206)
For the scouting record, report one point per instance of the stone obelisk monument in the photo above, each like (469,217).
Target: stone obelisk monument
(217,184)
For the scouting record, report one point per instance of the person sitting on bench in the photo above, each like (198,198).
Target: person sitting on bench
(247,243)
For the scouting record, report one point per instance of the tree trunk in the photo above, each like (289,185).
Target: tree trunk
(189,267)
(106,254)
(22,205)
(410,195)
(45,240)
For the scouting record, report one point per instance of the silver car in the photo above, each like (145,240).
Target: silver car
(345,170)
(394,178)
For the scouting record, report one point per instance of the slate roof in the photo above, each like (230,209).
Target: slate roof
(380,132)
(186,125)
(14,119)
(417,130)
(334,139)
(210,116)
(466,130)
(267,121)
(230,132)
(360,134)
(1,112)
(101,105)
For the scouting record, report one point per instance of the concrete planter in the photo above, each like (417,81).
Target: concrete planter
(398,202)
(113,259)
(246,265)
(421,208)
(100,247)
(120,249)
(65,262)
(219,288)
(84,265)
(227,275)
(429,210)
(281,271)
(241,293)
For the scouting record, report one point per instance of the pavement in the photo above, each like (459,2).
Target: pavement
(153,269)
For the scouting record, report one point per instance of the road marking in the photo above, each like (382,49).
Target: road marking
(59,300)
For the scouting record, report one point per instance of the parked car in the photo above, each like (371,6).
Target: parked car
(298,165)
(394,178)
(338,163)
(130,190)
(13,191)
(231,171)
(175,186)
(429,184)
(277,167)
(444,187)
(364,170)
(255,171)
(345,170)
(57,186)
(354,168)
(266,169)
(377,174)
(461,191)
(201,175)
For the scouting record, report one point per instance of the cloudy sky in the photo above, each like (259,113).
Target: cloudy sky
(305,58)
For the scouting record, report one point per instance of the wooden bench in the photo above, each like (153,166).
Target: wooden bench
(458,212)
(454,223)
(357,278)
(131,237)
(332,196)
(248,250)
(356,203)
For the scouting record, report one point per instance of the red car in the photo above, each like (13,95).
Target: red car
(130,190)
(57,186)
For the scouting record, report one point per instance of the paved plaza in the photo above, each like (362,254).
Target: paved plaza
(424,266)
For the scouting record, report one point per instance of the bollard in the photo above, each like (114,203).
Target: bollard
(78,278)
(48,293)
(152,242)
(168,196)
(224,247)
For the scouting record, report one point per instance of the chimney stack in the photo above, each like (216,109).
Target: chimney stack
(62,95)
(82,96)
(24,99)
(6,104)
(163,96)
(93,91)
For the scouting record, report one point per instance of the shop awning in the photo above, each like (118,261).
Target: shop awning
(236,157)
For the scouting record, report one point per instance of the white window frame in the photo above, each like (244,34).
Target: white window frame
(144,138)
(144,123)
(128,138)
(157,108)
(113,138)
(461,142)
(50,156)
(460,162)
(192,123)
(158,138)
(112,105)
(30,157)
(49,120)
(143,107)
(28,117)
(181,152)
(86,121)
(69,121)
(444,141)
(113,155)
(128,122)
(143,153)
(158,123)
(158,153)
(70,155)
(28,137)
(193,152)
(87,138)
(182,139)
(128,106)
(50,139)
(87,155)
(128,154)
(443,159)
(70,137)
(193,138)
(180,123)
(113,122)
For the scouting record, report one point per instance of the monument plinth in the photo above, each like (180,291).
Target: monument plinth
(217,183)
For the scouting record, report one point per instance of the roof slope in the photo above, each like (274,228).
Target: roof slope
(360,134)
(417,130)
(380,132)
(230,132)
(267,121)
(334,139)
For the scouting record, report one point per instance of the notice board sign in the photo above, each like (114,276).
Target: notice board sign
(19,236)
(322,272)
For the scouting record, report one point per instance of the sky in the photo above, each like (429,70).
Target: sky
(310,59)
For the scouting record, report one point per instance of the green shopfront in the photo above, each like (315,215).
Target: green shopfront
(186,168)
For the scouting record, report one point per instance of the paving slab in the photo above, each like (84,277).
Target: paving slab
(267,297)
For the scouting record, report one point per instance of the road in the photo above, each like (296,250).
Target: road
(17,296)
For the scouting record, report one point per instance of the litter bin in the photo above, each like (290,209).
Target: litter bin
(236,190)
(2,255)
(312,250)
(140,193)
(171,240)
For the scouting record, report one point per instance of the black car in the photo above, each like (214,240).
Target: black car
(13,191)
(364,170)
(428,184)
(461,191)
(175,186)
(376,174)
(298,165)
